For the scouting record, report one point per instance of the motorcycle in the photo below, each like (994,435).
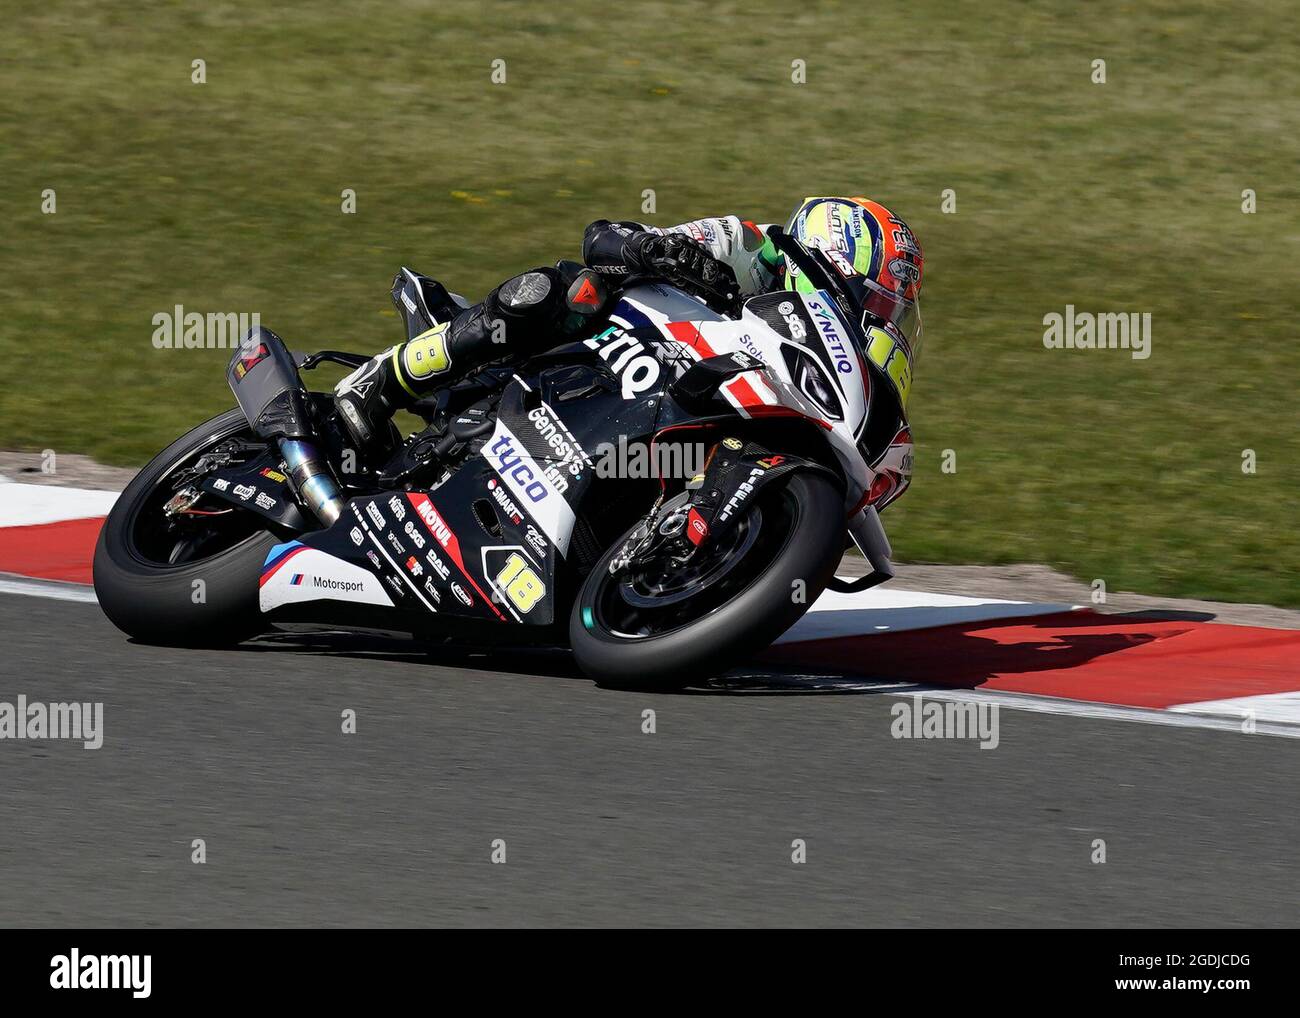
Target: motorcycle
(513,514)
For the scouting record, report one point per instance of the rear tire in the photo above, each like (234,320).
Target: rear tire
(747,623)
(159,603)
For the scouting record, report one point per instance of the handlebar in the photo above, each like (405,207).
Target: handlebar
(727,304)
(349,360)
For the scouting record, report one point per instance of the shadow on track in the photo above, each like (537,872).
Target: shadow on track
(963,655)
(968,655)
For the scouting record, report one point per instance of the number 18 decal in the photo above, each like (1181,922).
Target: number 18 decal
(520,583)
(890,356)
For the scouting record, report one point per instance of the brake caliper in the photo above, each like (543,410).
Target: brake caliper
(182,501)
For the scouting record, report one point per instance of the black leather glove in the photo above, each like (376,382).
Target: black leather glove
(680,260)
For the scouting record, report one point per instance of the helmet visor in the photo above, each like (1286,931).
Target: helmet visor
(887,306)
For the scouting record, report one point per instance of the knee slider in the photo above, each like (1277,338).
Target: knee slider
(528,292)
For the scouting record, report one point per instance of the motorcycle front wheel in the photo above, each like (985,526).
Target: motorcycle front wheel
(643,627)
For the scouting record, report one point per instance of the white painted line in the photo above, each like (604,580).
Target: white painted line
(1109,712)
(891,609)
(26,505)
(1282,708)
(889,596)
(55,589)
(1177,717)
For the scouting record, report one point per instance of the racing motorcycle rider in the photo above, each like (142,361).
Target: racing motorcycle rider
(544,307)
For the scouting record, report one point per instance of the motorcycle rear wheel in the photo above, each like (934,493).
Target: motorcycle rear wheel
(789,544)
(193,589)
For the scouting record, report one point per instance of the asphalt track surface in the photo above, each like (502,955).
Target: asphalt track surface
(603,825)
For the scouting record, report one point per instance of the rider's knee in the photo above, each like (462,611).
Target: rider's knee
(548,301)
(537,294)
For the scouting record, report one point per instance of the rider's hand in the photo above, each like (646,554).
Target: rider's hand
(680,260)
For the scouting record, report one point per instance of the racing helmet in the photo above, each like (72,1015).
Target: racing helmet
(873,249)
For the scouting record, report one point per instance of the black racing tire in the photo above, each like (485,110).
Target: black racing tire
(737,629)
(155,602)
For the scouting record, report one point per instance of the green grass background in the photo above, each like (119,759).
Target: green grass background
(1117,197)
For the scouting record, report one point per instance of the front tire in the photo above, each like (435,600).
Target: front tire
(806,509)
(209,601)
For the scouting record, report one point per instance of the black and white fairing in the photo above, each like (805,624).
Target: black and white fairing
(492,541)
(488,543)
(811,364)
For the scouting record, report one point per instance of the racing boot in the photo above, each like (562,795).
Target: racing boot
(531,311)
(367,399)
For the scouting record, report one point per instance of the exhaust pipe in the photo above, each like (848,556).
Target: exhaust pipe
(263,375)
(312,480)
